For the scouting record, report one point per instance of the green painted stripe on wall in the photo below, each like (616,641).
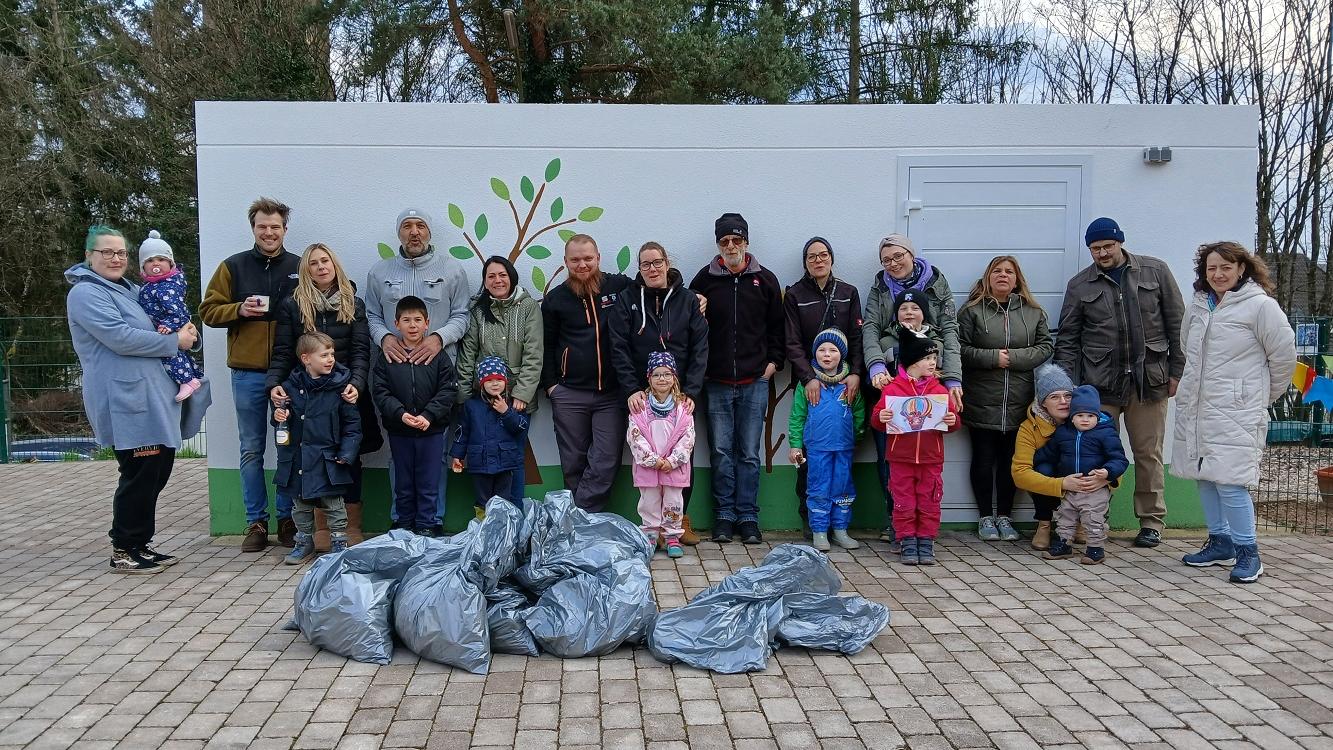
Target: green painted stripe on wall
(776,497)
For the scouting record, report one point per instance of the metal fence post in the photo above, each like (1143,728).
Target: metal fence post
(4,408)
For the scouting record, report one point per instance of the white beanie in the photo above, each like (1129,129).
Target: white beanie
(411,213)
(155,247)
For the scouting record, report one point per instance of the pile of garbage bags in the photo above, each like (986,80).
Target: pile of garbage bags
(552,578)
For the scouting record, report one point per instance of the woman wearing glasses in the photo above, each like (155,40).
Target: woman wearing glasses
(657,313)
(130,399)
(903,271)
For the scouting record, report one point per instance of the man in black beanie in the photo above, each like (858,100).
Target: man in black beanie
(745,349)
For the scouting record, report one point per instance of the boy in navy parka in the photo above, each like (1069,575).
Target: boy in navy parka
(1088,444)
(490,435)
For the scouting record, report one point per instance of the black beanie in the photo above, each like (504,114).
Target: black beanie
(913,348)
(917,296)
(731,224)
(812,241)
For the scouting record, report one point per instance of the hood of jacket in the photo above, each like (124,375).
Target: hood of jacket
(420,260)
(674,279)
(82,273)
(499,304)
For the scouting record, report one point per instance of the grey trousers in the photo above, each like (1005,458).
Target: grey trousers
(1090,509)
(590,433)
(335,513)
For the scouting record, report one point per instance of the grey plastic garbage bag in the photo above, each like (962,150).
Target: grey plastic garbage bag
(591,614)
(567,540)
(509,633)
(440,614)
(343,603)
(845,624)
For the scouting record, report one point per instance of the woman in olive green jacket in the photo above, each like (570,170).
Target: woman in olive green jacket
(1004,336)
(505,322)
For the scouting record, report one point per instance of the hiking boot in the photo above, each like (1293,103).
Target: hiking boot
(844,540)
(909,554)
(674,549)
(819,541)
(428,532)
(1148,538)
(126,561)
(1041,538)
(722,531)
(925,551)
(1060,550)
(1216,550)
(896,547)
(1248,565)
(151,555)
(1093,556)
(303,548)
(986,530)
(886,535)
(286,532)
(256,537)
(337,542)
(1006,528)
(687,535)
(749,532)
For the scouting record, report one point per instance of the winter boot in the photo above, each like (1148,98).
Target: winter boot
(354,533)
(925,551)
(820,541)
(338,541)
(1041,539)
(1248,565)
(909,556)
(1060,550)
(687,536)
(722,530)
(1080,536)
(1093,556)
(844,540)
(1216,550)
(303,548)
(321,531)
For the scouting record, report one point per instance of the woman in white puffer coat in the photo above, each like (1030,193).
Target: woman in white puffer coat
(1240,354)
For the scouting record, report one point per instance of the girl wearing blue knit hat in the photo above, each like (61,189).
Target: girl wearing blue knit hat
(661,439)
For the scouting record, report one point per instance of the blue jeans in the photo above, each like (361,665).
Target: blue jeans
(445,468)
(252,419)
(735,429)
(1228,510)
(416,472)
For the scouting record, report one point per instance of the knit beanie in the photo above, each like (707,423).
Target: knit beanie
(492,368)
(1051,378)
(1086,401)
(831,336)
(1103,229)
(661,359)
(411,213)
(155,247)
(913,348)
(812,241)
(915,296)
(898,240)
(728,224)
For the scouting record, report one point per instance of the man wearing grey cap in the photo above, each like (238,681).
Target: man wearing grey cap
(420,271)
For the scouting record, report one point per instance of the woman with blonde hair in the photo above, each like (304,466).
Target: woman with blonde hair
(1004,337)
(1240,354)
(325,300)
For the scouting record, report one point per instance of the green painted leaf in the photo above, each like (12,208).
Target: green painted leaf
(552,170)
(500,189)
(539,252)
(622,258)
(460,252)
(591,213)
(385,250)
(525,187)
(481,227)
(538,280)
(566,234)
(557,209)
(456,216)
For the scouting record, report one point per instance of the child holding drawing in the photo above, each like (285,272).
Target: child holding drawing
(916,455)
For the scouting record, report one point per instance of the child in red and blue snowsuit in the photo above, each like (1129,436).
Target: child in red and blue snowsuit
(162,296)
(823,436)
(916,459)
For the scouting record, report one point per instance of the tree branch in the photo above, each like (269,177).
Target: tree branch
(544,230)
(477,57)
(473,245)
(523,230)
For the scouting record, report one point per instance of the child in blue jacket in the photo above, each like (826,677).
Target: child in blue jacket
(824,436)
(1088,444)
(490,436)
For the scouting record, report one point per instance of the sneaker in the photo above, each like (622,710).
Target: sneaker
(654,541)
(337,542)
(437,531)
(1148,538)
(303,548)
(909,553)
(1007,531)
(1216,550)
(749,532)
(674,549)
(126,561)
(819,540)
(844,540)
(256,537)
(1248,565)
(896,547)
(722,530)
(428,532)
(286,532)
(152,555)
(1060,550)
(986,529)
(1093,556)
(925,551)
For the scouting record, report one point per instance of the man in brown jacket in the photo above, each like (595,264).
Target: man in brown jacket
(1120,331)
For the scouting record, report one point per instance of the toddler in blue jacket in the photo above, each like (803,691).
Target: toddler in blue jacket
(1088,444)
(490,435)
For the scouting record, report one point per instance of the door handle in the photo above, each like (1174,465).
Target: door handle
(910,205)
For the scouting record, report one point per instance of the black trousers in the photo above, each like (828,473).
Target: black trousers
(991,470)
(143,473)
(1045,506)
(488,486)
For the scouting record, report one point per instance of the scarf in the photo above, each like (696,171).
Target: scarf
(149,278)
(328,302)
(922,273)
(843,371)
(661,408)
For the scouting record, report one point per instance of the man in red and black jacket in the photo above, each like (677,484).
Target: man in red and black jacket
(745,349)
(578,376)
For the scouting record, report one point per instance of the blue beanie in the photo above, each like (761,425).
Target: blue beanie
(831,336)
(1103,229)
(1086,401)
(492,368)
(661,359)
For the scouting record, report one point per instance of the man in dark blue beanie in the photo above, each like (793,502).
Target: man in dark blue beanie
(1119,330)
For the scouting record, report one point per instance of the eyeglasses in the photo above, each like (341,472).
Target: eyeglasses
(663,375)
(117,254)
(655,265)
(895,258)
(731,242)
(819,256)
(1062,396)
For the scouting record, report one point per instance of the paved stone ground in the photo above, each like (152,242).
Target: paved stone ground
(992,648)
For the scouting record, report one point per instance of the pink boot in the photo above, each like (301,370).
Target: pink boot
(187,389)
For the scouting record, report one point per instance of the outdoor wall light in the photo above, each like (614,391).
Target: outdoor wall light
(1157,155)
